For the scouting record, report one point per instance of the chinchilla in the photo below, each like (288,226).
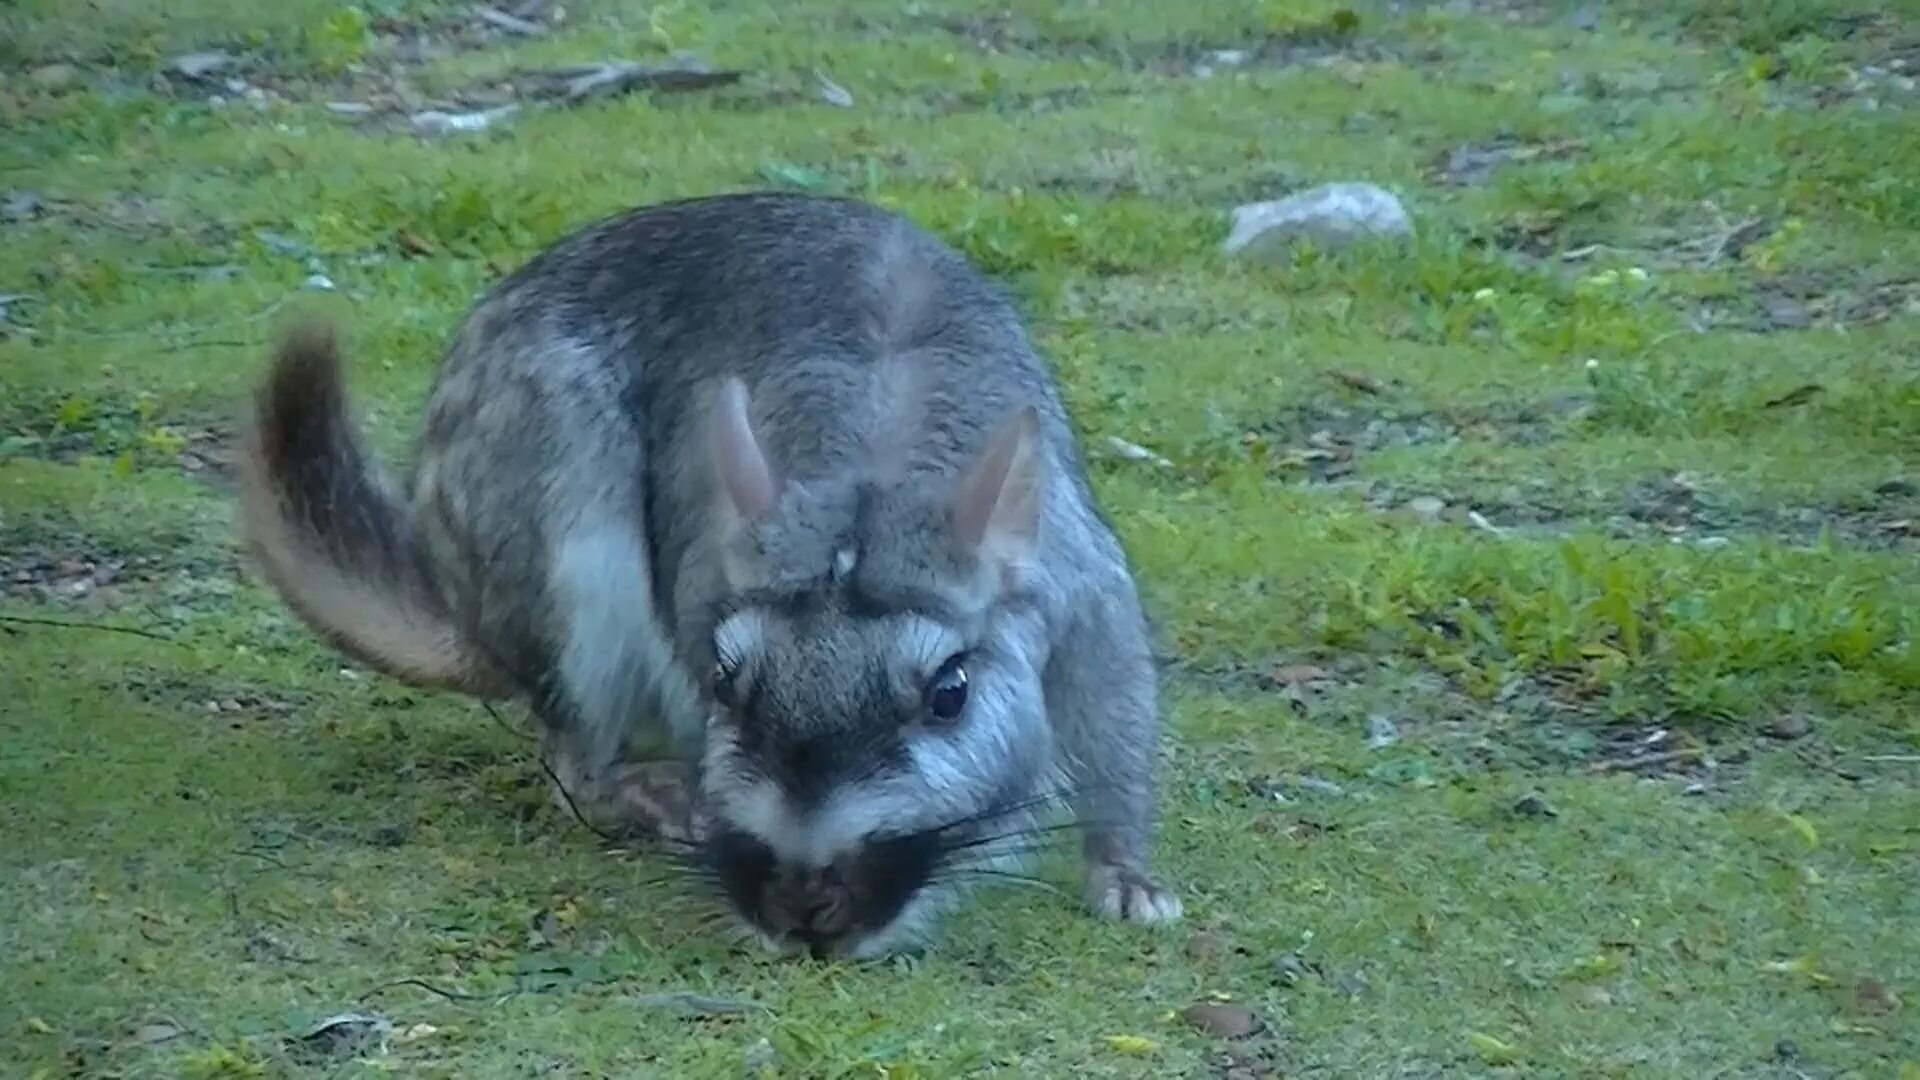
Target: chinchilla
(773,486)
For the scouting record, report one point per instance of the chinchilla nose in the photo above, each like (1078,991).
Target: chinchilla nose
(820,905)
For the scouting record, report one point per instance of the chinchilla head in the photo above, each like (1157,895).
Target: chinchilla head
(877,735)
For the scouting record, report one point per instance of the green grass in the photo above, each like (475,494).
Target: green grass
(1669,593)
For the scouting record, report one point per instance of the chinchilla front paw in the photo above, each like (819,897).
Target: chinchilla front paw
(1130,894)
(637,799)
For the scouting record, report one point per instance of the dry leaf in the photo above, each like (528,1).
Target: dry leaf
(1132,1045)
(1874,996)
(412,243)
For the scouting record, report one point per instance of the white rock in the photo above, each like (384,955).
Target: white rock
(201,64)
(436,122)
(1332,216)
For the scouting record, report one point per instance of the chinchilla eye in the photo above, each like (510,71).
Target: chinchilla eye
(947,692)
(721,683)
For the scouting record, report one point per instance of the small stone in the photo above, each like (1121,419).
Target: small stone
(1534,805)
(319,282)
(760,1057)
(1897,489)
(53,75)
(1225,1021)
(1790,726)
(832,92)
(1784,313)
(20,205)
(199,65)
(1382,732)
(1427,506)
(1291,969)
(1331,216)
(1351,983)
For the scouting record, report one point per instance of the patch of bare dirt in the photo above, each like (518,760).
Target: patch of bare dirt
(1474,164)
(232,703)
(1681,509)
(1342,38)
(1326,441)
(48,577)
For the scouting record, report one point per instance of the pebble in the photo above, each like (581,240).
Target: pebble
(1381,732)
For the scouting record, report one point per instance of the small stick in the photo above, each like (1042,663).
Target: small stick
(132,631)
(1646,761)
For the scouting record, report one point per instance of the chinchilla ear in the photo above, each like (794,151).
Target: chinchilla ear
(746,481)
(996,510)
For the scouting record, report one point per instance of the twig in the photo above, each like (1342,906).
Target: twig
(1733,239)
(577,84)
(502,721)
(128,335)
(686,1001)
(132,631)
(1893,759)
(1646,761)
(512,24)
(450,995)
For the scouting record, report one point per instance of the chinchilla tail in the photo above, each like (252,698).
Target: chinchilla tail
(333,538)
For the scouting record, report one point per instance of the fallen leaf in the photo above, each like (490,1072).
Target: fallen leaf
(1874,996)
(1226,1021)
(1492,1050)
(38,1026)
(1132,1045)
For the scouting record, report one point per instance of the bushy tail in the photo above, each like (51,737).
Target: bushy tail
(332,536)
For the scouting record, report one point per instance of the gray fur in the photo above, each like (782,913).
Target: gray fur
(580,518)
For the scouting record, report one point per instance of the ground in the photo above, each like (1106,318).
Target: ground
(1539,597)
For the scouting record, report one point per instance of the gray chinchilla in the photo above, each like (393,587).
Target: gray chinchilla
(774,487)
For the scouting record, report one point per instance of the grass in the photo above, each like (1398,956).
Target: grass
(1539,596)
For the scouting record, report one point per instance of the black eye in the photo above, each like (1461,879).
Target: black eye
(947,692)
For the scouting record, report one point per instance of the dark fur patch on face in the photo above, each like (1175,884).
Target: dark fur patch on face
(826,908)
